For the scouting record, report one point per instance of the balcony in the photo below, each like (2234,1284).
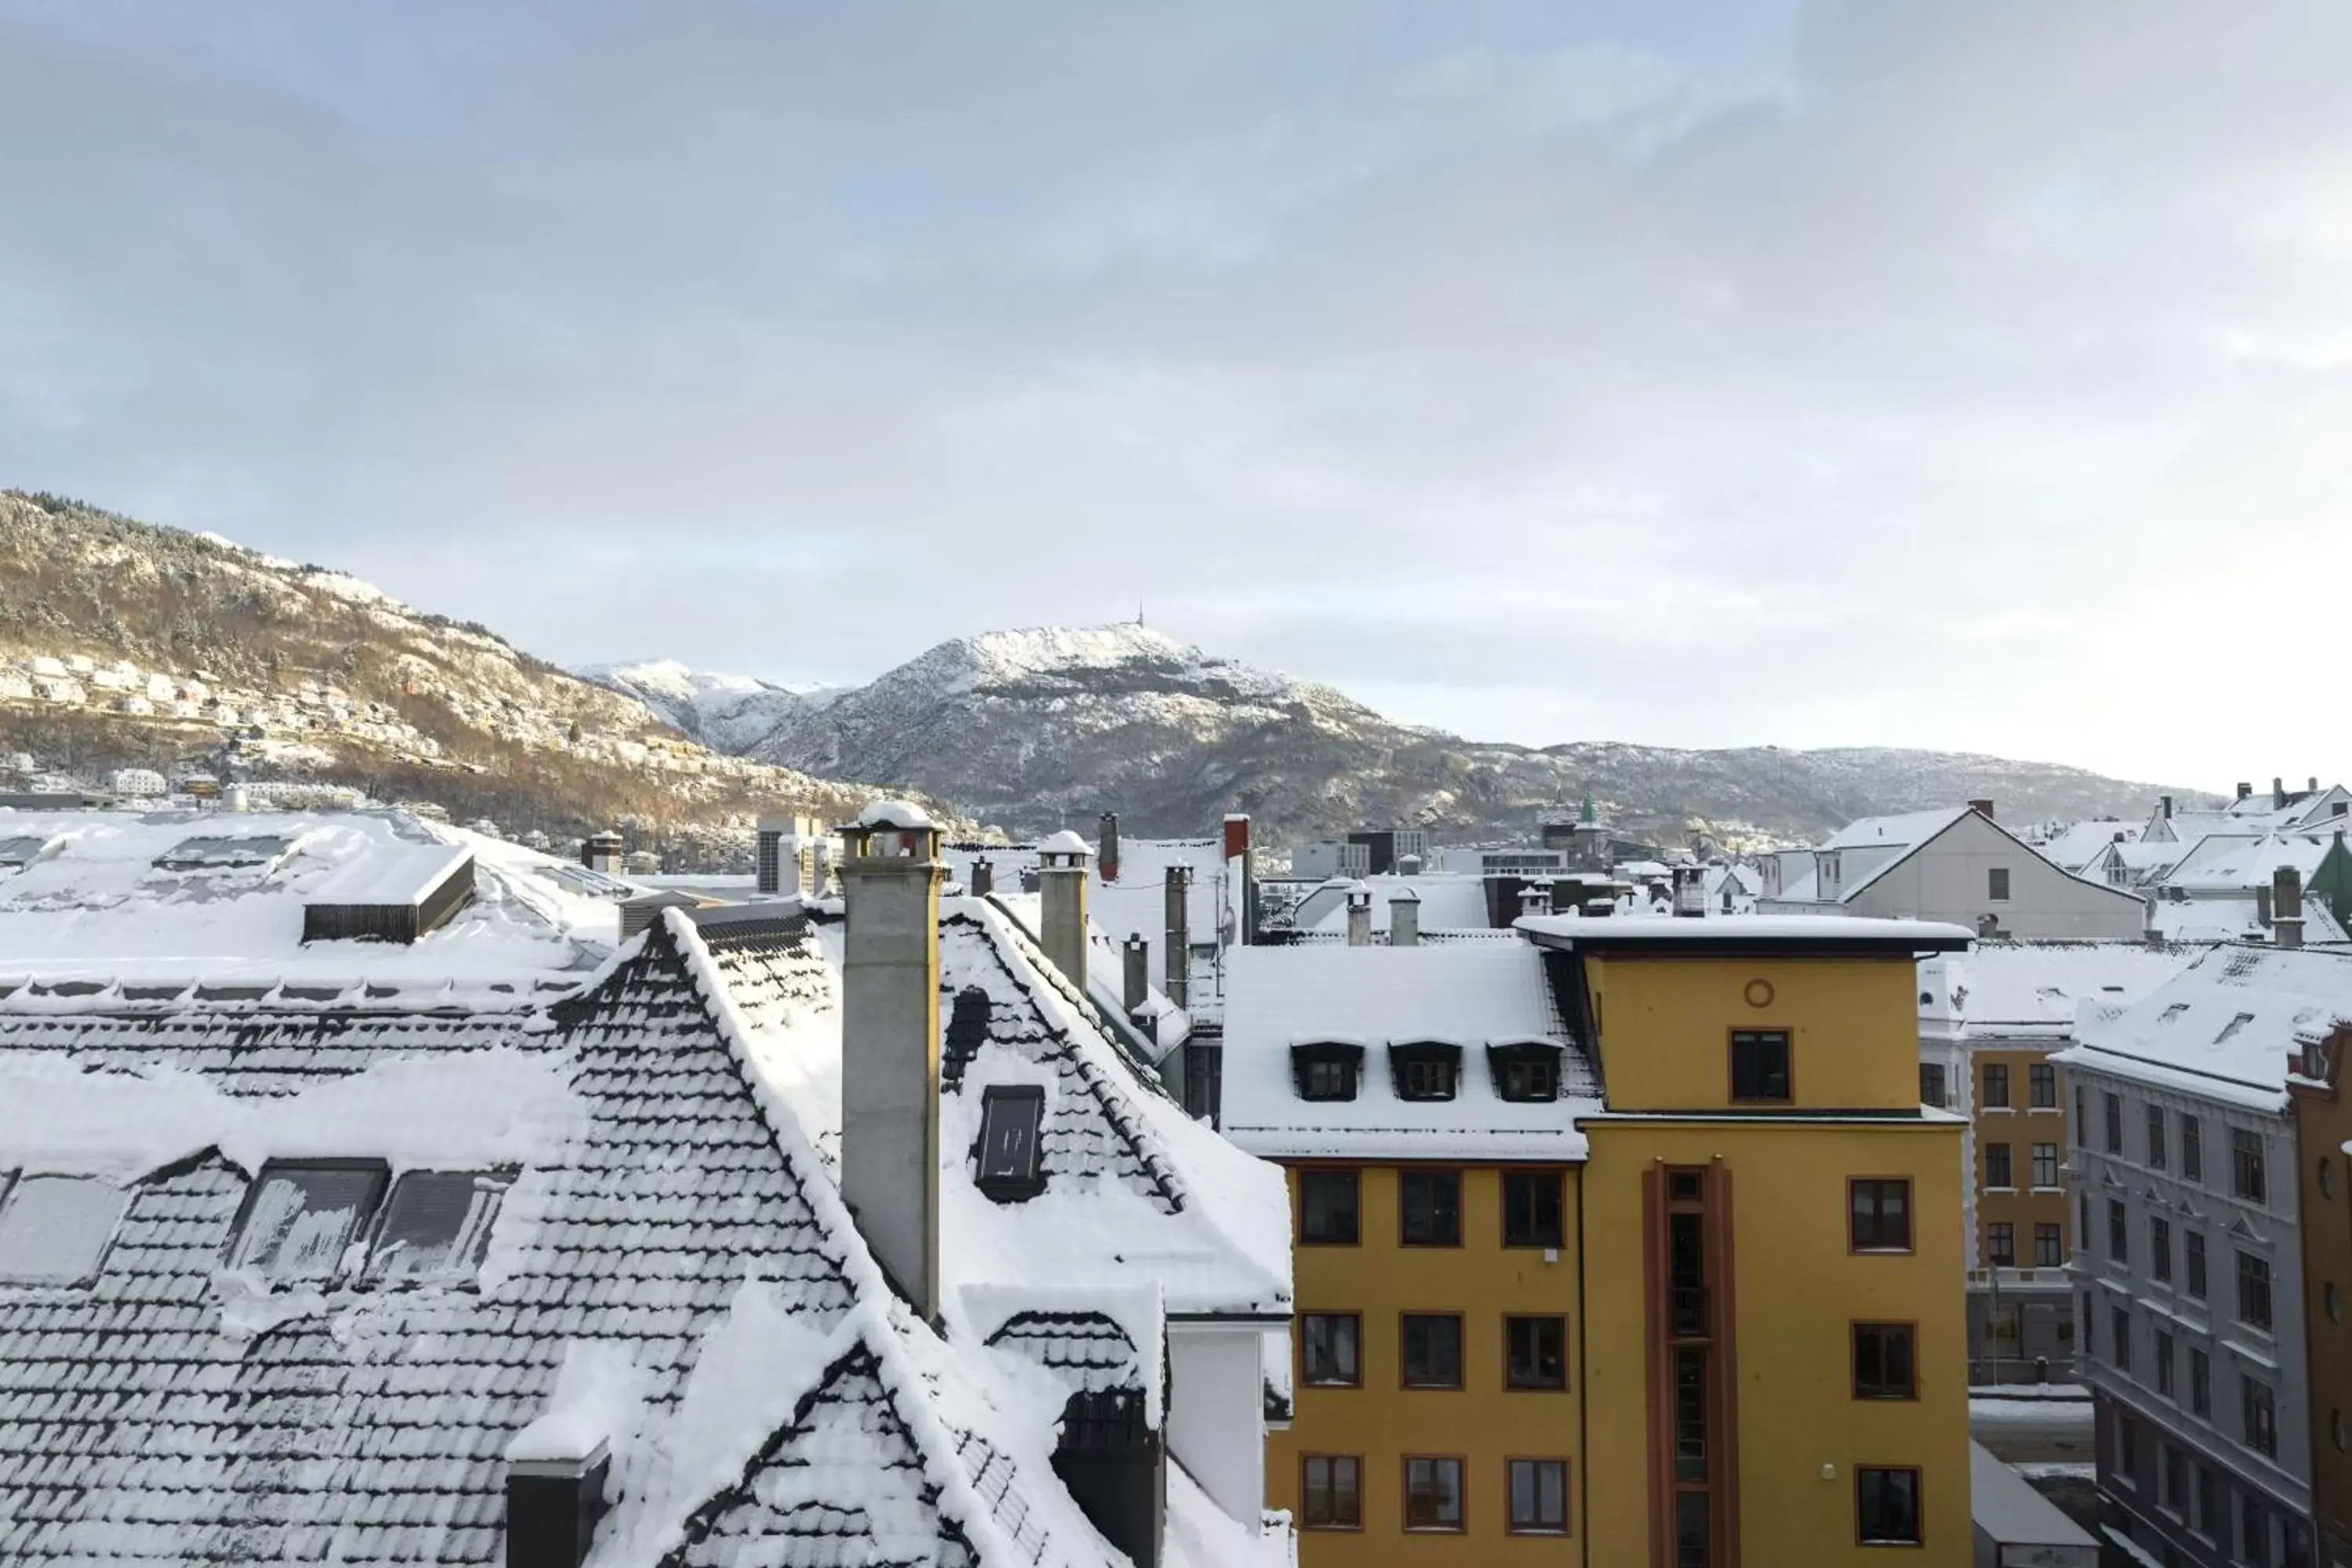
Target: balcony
(1687,1312)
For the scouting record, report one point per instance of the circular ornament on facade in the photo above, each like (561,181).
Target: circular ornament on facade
(1760,994)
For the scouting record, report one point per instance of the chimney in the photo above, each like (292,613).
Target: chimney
(1407,866)
(1241,881)
(2315,783)
(1135,959)
(890,880)
(779,863)
(983,878)
(1106,849)
(552,1507)
(1404,918)
(2286,907)
(1062,883)
(2245,789)
(1690,892)
(1176,948)
(1359,915)
(2278,793)
(2167,801)
(1982,808)
(1535,898)
(2263,905)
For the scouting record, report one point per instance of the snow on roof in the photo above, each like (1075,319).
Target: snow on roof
(2076,844)
(96,903)
(2230,861)
(2210,920)
(672,1273)
(2225,1027)
(1449,901)
(1485,991)
(1793,931)
(1911,827)
(900,814)
(1066,842)
(2007,988)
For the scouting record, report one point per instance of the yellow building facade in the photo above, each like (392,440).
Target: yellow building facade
(1756,1267)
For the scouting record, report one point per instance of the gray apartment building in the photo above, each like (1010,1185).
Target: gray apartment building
(2186,1261)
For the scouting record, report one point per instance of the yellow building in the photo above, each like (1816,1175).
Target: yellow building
(1619,1242)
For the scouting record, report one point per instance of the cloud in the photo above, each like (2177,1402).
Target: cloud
(1943,373)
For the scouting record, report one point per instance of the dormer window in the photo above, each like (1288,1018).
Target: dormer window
(1327,1069)
(1425,1069)
(436,1225)
(300,1219)
(1525,1070)
(1012,1154)
(54,1230)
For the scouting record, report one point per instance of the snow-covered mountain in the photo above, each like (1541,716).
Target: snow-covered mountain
(1032,729)
(725,713)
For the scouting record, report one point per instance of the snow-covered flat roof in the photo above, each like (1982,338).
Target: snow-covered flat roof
(1467,994)
(1632,932)
(2226,1026)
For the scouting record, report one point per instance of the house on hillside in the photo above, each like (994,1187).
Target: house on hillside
(1955,865)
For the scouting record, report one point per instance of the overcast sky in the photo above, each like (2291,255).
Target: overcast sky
(1969,375)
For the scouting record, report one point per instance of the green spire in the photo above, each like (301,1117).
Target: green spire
(1586,815)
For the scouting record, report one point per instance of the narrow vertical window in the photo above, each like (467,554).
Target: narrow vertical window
(2156,1139)
(2041,1085)
(2048,1245)
(2001,1244)
(2192,1246)
(2192,1148)
(1997,884)
(1996,1085)
(1429,1208)
(2254,1291)
(2045,1165)
(1998,1174)
(2113,1105)
(2248,1178)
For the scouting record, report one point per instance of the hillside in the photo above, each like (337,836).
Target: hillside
(1030,729)
(123,643)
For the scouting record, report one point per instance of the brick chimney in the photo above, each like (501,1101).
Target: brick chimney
(1241,873)
(2278,793)
(2245,789)
(1107,847)
(552,1508)
(1062,886)
(1176,946)
(890,880)
(1404,918)
(1982,808)
(2286,907)
(2167,801)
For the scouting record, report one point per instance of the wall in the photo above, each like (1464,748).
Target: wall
(2323,1121)
(1853,1024)
(1797,1291)
(1216,1411)
(1947,880)
(2023,1205)
(1481,1423)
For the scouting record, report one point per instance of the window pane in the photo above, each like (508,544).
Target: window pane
(1327,1206)
(54,1229)
(1889,1503)
(1431,1202)
(1009,1142)
(303,1218)
(1432,1351)
(1537,1353)
(1760,1064)
(1433,1494)
(1531,1209)
(437,1223)
(1538,1494)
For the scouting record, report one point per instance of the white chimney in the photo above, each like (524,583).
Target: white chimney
(1062,887)
(1404,918)
(2286,907)
(890,880)
(1535,898)
(1359,915)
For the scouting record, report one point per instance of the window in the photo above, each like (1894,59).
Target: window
(1996,1085)
(2247,1177)
(2083,1219)
(1011,1168)
(1327,1208)
(2192,1150)
(2041,1085)
(54,1230)
(1884,1364)
(2258,1410)
(1429,1208)
(2163,1363)
(2160,1248)
(2176,1482)
(1433,1350)
(1433,1494)
(2120,1351)
(2045,1164)
(1931,1085)
(1887,1506)
(2200,1382)
(298,1219)
(437,1225)
(1997,883)
(2090,1327)
(2118,1231)
(1525,1072)
(2127,1445)
(1327,1069)
(1997,1171)
(2048,1245)
(1539,1497)
(1759,1065)
(2001,1244)
(2155,1141)
(1531,1208)
(1536,1352)
(2192,1249)
(2254,1291)
(2208,1503)
(2082,1119)
(2114,1106)
(1327,1347)
(1425,1069)
(1331,1491)
(2256,1522)
(1880,1215)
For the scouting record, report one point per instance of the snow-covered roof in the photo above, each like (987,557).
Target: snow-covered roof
(2226,1026)
(1066,842)
(1449,901)
(1791,930)
(673,1270)
(2076,844)
(2228,861)
(2207,920)
(2036,988)
(1471,994)
(1910,828)
(900,814)
(218,896)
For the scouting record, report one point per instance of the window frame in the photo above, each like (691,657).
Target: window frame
(2160,1248)
(2043,1159)
(1886,1392)
(1735,1038)
(2007,1181)
(1405,1323)
(369,1276)
(2119,1348)
(2158,1136)
(12,1186)
(1511,1526)
(1356,1334)
(1345,1058)
(2040,1077)
(2110,1121)
(1854,1246)
(1354,1176)
(2194,1277)
(2249,1167)
(2001,1243)
(1511,1321)
(2257,1398)
(2255,1275)
(2055,1234)
(363,1228)
(1306,1490)
(2118,1232)
(1460,1464)
(1996,1073)
(1019,1100)
(1997,885)
(1558,1179)
(2200,1382)
(1942,1098)
(1427,1173)
(2193,1148)
(1862,1537)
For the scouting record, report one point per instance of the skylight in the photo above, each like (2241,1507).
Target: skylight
(54,1229)
(1010,1150)
(20,851)
(221,852)
(300,1219)
(437,1225)
(2232,1026)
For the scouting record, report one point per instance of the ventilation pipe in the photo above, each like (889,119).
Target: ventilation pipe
(983,878)
(1176,948)
(1107,847)
(1404,918)
(2166,801)
(1135,959)
(1061,884)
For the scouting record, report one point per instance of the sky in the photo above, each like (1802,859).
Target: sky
(1972,375)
